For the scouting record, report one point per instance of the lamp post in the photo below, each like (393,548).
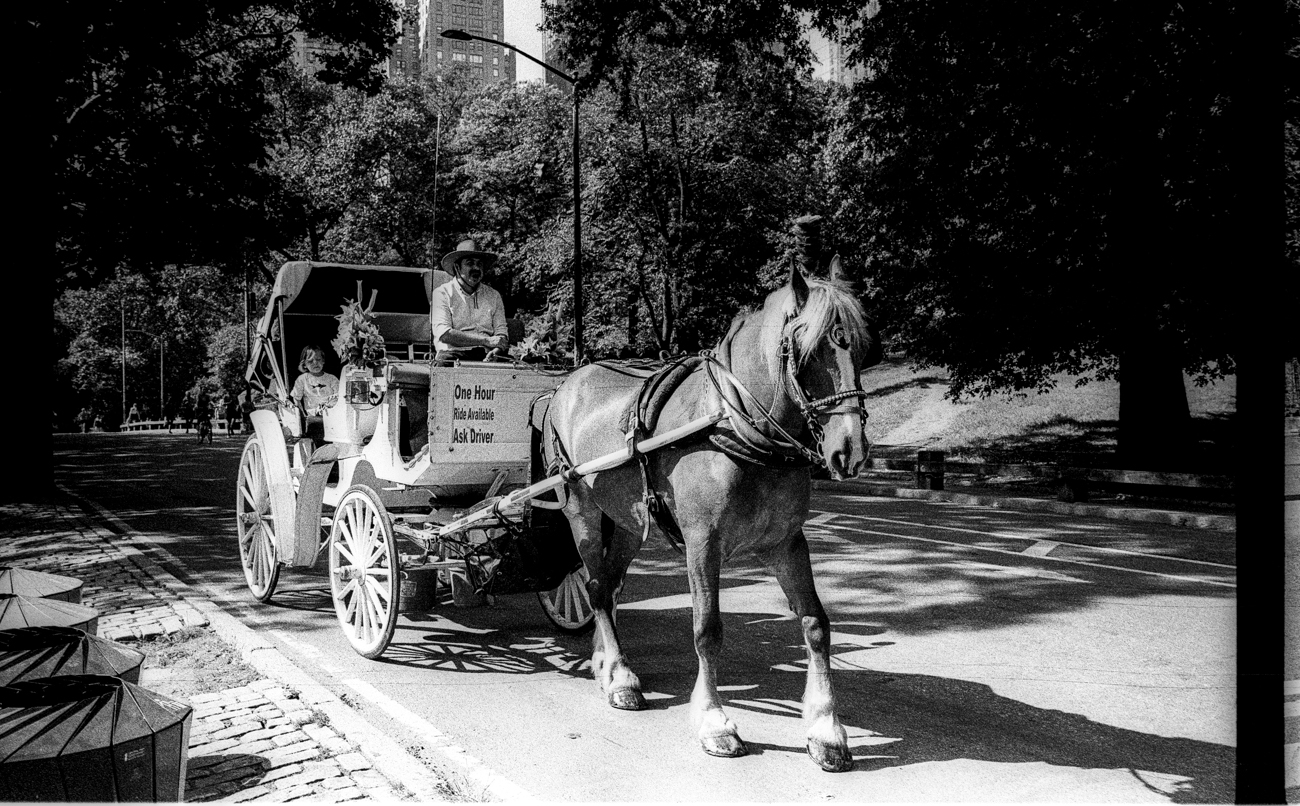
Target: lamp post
(161,344)
(455,33)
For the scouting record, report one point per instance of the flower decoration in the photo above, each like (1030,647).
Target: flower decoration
(359,342)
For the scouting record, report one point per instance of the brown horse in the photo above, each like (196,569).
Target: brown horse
(787,378)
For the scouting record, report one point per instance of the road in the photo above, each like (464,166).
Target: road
(981,654)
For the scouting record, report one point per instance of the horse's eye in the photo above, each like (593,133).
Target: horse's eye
(839,337)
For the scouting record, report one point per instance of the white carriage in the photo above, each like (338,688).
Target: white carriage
(408,476)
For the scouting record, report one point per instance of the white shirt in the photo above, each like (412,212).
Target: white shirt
(482,312)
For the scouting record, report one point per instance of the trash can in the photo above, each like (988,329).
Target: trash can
(929,470)
(39,585)
(30,653)
(91,738)
(27,611)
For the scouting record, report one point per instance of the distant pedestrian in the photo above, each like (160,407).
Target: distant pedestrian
(134,416)
(85,418)
(187,411)
(232,415)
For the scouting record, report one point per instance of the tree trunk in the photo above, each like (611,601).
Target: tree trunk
(1154,418)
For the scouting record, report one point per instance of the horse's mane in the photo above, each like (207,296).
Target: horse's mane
(829,302)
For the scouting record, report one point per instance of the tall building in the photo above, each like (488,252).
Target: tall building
(404,60)
(483,61)
(830,56)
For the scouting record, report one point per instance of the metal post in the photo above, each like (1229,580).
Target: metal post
(437,145)
(123,307)
(161,359)
(577,237)
(456,33)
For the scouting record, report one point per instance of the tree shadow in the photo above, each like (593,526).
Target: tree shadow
(894,720)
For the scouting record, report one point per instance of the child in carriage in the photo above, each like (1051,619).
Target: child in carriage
(315,390)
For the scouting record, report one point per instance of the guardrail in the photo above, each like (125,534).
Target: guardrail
(1074,484)
(218,426)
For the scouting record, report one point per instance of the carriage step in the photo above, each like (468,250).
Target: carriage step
(437,565)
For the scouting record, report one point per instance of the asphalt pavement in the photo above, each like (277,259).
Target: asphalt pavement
(352,759)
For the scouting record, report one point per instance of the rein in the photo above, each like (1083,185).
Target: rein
(810,409)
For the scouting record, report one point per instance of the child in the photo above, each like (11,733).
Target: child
(315,389)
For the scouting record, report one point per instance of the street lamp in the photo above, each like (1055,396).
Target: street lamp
(464,36)
(161,343)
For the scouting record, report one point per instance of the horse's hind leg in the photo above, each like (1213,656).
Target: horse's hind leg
(716,733)
(827,742)
(607,552)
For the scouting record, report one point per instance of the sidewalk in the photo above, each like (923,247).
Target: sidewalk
(279,738)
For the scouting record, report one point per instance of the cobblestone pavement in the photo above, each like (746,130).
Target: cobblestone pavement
(253,743)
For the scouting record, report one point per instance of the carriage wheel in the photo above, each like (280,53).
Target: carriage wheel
(568,606)
(364,571)
(256,523)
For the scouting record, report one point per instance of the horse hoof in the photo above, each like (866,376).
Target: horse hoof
(627,699)
(831,758)
(724,745)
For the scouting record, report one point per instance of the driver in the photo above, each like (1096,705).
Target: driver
(468,316)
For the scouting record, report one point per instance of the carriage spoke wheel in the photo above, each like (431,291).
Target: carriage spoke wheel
(256,524)
(364,571)
(568,606)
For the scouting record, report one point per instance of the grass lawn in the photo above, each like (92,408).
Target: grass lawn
(908,409)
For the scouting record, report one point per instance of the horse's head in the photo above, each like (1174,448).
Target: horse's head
(827,341)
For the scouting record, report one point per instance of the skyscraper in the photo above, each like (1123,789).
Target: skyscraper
(404,60)
(482,61)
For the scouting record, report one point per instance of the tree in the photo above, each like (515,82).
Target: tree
(692,169)
(163,120)
(1039,188)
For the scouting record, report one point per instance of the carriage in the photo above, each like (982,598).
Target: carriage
(517,477)
(371,485)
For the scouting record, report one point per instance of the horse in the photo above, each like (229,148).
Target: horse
(787,376)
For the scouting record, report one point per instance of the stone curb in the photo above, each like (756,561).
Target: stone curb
(388,757)
(1191,520)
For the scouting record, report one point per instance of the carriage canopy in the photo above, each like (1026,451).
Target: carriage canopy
(306,298)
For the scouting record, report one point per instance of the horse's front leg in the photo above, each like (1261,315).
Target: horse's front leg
(717,734)
(607,552)
(828,744)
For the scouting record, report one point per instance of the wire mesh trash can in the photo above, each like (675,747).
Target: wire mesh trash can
(91,738)
(30,653)
(28,611)
(39,585)
(929,470)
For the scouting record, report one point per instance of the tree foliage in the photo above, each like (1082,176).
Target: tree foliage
(1037,188)
(163,120)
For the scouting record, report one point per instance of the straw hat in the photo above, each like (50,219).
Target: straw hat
(467,248)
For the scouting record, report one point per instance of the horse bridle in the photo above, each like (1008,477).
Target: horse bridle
(812,409)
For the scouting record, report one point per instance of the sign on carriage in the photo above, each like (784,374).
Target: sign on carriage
(479,408)
(474,413)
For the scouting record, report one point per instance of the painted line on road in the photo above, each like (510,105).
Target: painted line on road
(309,651)
(1003,536)
(1291,687)
(1041,549)
(1292,756)
(493,782)
(1047,559)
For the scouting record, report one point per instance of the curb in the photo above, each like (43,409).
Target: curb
(387,756)
(1190,520)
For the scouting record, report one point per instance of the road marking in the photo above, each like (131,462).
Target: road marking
(499,786)
(1291,687)
(1179,577)
(1040,549)
(304,648)
(1004,536)
(1292,756)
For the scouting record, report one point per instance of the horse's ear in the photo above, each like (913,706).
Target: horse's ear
(798,285)
(836,273)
